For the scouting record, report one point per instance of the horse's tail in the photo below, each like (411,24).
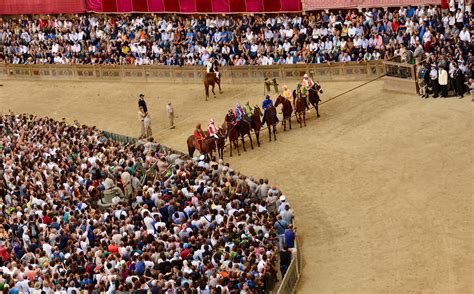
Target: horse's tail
(190,147)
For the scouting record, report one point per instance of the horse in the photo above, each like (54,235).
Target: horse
(244,129)
(257,123)
(287,110)
(233,134)
(271,120)
(209,144)
(314,97)
(210,79)
(300,108)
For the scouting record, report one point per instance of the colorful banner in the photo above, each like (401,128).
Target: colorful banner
(42,6)
(193,6)
(336,4)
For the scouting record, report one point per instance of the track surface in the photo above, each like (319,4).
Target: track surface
(381,184)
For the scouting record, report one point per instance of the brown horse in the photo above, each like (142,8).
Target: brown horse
(244,129)
(257,123)
(233,134)
(271,120)
(210,79)
(287,110)
(209,144)
(300,108)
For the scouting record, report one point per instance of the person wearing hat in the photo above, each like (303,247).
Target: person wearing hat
(142,103)
(239,112)
(267,103)
(211,129)
(170,113)
(212,67)
(248,110)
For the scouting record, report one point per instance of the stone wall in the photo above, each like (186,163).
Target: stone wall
(194,74)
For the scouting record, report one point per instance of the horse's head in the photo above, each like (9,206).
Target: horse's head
(279,100)
(257,110)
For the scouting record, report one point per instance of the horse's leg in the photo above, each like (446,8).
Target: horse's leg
(257,134)
(219,84)
(250,137)
(237,144)
(274,132)
(243,142)
(284,124)
(289,120)
(206,88)
(300,120)
(230,147)
(213,85)
(317,109)
(270,132)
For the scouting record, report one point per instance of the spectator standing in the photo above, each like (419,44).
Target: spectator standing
(434,81)
(443,82)
(170,113)
(458,82)
(142,103)
(285,260)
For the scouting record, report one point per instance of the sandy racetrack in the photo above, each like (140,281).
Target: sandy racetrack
(381,184)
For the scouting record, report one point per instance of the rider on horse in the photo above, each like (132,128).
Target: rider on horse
(301,93)
(211,128)
(212,67)
(239,113)
(230,117)
(267,103)
(199,136)
(286,93)
(248,110)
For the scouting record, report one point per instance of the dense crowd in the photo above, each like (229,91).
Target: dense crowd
(193,226)
(315,37)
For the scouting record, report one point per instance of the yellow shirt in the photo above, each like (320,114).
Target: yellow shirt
(287,94)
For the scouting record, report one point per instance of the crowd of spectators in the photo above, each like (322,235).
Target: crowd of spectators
(315,37)
(193,226)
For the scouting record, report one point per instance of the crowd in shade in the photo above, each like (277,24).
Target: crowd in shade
(192,226)
(316,37)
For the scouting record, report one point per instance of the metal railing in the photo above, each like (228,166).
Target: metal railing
(293,274)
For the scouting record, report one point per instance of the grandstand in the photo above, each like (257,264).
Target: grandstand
(368,198)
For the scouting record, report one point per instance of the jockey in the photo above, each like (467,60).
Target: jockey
(211,128)
(230,117)
(212,67)
(239,112)
(303,92)
(307,82)
(267,102)
(199,136)
(248,110)
(286,93)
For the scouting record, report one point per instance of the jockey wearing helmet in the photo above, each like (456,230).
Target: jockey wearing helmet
(211,128)
(239,112)
(248,110)
(267,103)
(199,136)
(230,117)
(212,67)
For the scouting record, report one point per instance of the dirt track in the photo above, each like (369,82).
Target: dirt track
(381,184)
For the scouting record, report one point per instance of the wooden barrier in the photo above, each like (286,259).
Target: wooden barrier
(400,77)
(193,74)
